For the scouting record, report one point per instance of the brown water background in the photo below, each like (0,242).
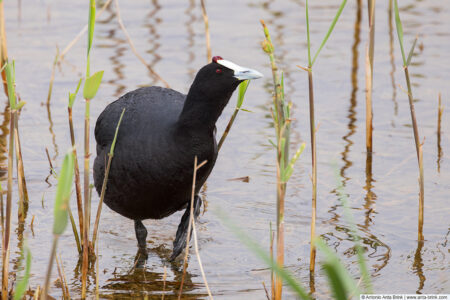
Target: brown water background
(170,36)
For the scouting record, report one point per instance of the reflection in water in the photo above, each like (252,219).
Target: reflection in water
(418,266)
(191,38)
(50,129)
(391,53)
(380,251)
(352,110)
(152,23)
(119,49)
(140,282)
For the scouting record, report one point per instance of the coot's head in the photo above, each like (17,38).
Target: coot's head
(221,77)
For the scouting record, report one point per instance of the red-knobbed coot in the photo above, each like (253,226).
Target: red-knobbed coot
(161,133)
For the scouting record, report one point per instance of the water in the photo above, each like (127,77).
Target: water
(170,36)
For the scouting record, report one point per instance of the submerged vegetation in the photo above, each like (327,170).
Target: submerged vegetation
(342,278)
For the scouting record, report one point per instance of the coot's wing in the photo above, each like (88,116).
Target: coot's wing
(152,106)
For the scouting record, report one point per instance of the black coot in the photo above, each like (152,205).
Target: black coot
(161,132)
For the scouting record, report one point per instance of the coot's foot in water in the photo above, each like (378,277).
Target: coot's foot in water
(180,239)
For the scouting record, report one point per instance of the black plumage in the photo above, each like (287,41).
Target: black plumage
(161,132)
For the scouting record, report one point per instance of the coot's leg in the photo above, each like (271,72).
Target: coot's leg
(141,233)
(180,239)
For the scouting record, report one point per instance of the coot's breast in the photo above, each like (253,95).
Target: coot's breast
(151,172)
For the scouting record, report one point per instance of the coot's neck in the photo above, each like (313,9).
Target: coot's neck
(202,109)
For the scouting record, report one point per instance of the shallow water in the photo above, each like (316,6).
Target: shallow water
(170,36)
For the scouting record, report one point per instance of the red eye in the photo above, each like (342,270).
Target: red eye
(218,71)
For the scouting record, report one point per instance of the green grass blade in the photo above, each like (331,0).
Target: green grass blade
(92,84)
(72,96)
(333,261)
(307,35)
(10,81)
(398,24)
(63,192)
(290,167)
(333,23)
(113,145)
(241,93)
(288,278)
(335,282)
(408,61)
(91,25)
(22,285)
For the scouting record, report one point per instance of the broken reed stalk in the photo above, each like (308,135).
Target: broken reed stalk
(72,97)
(105,180)
(406,63)
(440,112)
(52,77)
(282,129)
(130,42)
(62,277)
(188,237)
(369,76)
(207,36)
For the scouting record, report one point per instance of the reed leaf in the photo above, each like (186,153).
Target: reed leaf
(241,93)
(10,80)
(22,285)
(92,84)
(63,192)
(287,172)
(330,29)
(308,40)
(91,25)
(408,61)
(72,96)
(399,26)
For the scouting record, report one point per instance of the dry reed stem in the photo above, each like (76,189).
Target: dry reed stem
(227,129)
(52,77)
(312,126)
(369,75)
(62,277)
(194,230)
(23,194)
(369,112)
(97,289)
(49,268)
(207,36)
(77,175)
(7,235)
(85,259)
(419,154)
(440,112)
(265,290)
(188,238)
(130,42)
(83,31)
(272,281)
